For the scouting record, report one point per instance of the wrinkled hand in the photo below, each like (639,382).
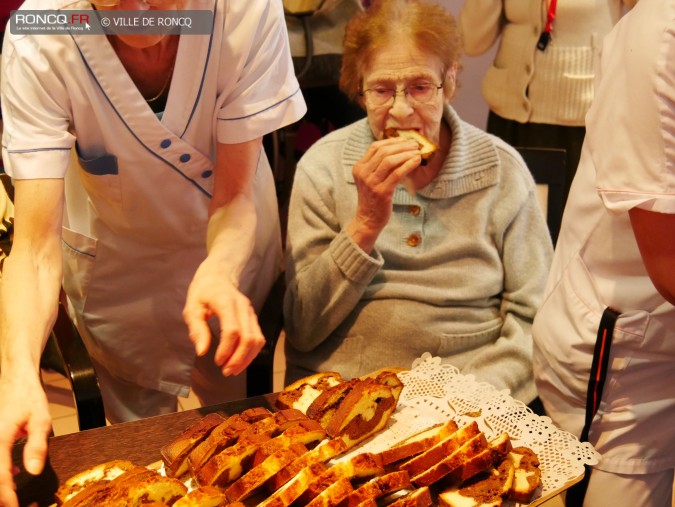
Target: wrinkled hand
(385,164)
(212,293)
(25,413)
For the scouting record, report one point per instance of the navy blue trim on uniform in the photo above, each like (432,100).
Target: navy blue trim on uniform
(193,182)
(262,110)
(206,65)
(70,247)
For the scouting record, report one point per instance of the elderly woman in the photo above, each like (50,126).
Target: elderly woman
(389,258)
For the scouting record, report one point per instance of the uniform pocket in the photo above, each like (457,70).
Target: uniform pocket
(79,256)
(100,176)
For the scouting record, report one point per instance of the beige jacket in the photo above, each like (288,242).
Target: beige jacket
(525,84)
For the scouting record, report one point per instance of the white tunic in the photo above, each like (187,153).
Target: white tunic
(136,204)
(628,161)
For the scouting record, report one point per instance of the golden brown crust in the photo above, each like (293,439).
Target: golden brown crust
(379,487)
(454,461)
(419,443)
(333,495)
(224,435)
(175,453)
(244,487)
(102,472)
(441,450)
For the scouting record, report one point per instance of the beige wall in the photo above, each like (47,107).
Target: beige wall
(468,101)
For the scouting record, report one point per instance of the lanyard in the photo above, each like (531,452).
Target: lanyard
(545,36)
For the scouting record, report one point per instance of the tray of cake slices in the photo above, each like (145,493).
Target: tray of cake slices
(419,437)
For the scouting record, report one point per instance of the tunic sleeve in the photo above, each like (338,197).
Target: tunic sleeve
(265,94)
(631,132)
(36,141)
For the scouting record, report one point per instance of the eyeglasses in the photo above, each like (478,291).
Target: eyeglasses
(420,93)
(144,4)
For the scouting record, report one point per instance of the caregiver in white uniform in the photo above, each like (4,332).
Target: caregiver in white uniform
(617,249)
(147,201)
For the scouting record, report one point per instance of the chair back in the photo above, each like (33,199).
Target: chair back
(547,166)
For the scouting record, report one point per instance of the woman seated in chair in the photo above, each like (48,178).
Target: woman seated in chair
(388,257)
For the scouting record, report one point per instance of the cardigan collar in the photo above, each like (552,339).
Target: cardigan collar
(471,164)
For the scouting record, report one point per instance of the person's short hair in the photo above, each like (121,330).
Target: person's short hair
(427,25)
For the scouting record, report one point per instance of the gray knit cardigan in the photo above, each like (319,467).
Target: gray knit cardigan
(465,287)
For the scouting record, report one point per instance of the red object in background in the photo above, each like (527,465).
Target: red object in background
(6,8)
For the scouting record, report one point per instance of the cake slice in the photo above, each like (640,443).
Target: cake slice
(228,465)
(175,453)
(360,466)
(304,432)
(222,436)
(489,487)
(379,487)
(527,474)
(204,496)
(494,453)
(418,443)
(103,472)
(363,412)
(420,497)
(244,487)
(301,393)
(445,447)
(323,452)
(333,495)
(255,414)
(295,488)
(452,462)
(326,404)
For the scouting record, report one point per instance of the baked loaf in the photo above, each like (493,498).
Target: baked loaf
(265,459)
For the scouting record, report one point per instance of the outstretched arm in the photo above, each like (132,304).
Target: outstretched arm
(29,291)
(214,290)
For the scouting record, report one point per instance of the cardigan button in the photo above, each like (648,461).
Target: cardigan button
(414,210)
(414,239)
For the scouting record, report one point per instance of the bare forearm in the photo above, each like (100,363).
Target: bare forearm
(29,293)
(32,274)
(231,235)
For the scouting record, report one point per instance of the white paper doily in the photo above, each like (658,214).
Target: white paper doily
(435,392)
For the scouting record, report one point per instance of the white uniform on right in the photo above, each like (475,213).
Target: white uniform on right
(628,161)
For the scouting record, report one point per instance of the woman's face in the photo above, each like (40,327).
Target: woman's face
(412,73)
